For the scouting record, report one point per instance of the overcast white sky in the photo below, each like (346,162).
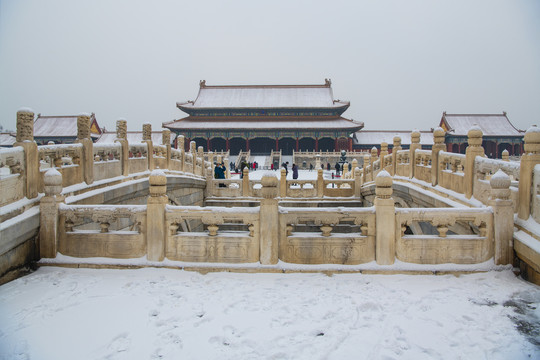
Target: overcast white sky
(400,63)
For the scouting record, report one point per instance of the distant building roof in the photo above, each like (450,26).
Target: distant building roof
(7,139)
(490,124)
(62,126)
(264,97)
(270,123)
(133,137)
(376,137)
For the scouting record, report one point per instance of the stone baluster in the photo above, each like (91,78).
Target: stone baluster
(166,141)
(147,138)
(283,183)
(503,218)
(385,215)
(367,174)
(25,139)
(181,146)
(227,167)
(415,145)
(357,182)
(48,209)
(200,156)
(505,155)
(269,221)
(156,232)
(373,158)
(438,145)
(320,183)
(529,159)
(396,147)
(121,138)
(193,152)
(83,137)
(210,183)
(354,165)
(384,151)
(473,150)
(245,182)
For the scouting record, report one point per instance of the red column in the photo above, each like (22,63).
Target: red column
(277,144)
(247,144)
(316,144)
(296,144)
(227,144)
(186,144)
(208,145)
(336,145)
(350,144)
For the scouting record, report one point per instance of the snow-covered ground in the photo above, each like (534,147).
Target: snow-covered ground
(61,313)
(158,313)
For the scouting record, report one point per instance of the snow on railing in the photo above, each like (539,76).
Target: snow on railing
(231,233)
(460,249)
(306,233)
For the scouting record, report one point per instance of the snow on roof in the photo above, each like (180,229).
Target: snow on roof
(192,123)
(57,126)
(490,124)
(133,137)
(370,137)
(7,139)
(264,96)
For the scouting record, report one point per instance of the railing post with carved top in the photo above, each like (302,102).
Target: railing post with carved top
(147,138)
(320,184)
(180,145)
(166,140)
(48,208)
(283,183)
(121,138)
(385,215)
(269,226)
(155,216)
(87,158)
(193,152)
(438,145)
(503,218)
(473,150)
(395,149)
(374,157)
(25,138)
(529,159)
(415,145)
(357,183)
(245,182)
(210,183)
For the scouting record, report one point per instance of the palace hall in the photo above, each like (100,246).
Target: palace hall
(262,118)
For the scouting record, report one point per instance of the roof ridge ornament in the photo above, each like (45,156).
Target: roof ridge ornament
(202,84)
(328,82)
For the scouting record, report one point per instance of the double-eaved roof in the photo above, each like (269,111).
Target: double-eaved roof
(264,97)
(264,107)
(490,124)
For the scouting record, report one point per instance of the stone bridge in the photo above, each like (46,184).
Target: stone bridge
(148,204)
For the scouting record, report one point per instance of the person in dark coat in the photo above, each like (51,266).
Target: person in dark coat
(328,166)
(337,168)
(294,171)
(219,173)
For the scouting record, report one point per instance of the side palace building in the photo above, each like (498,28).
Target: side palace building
(262,118)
